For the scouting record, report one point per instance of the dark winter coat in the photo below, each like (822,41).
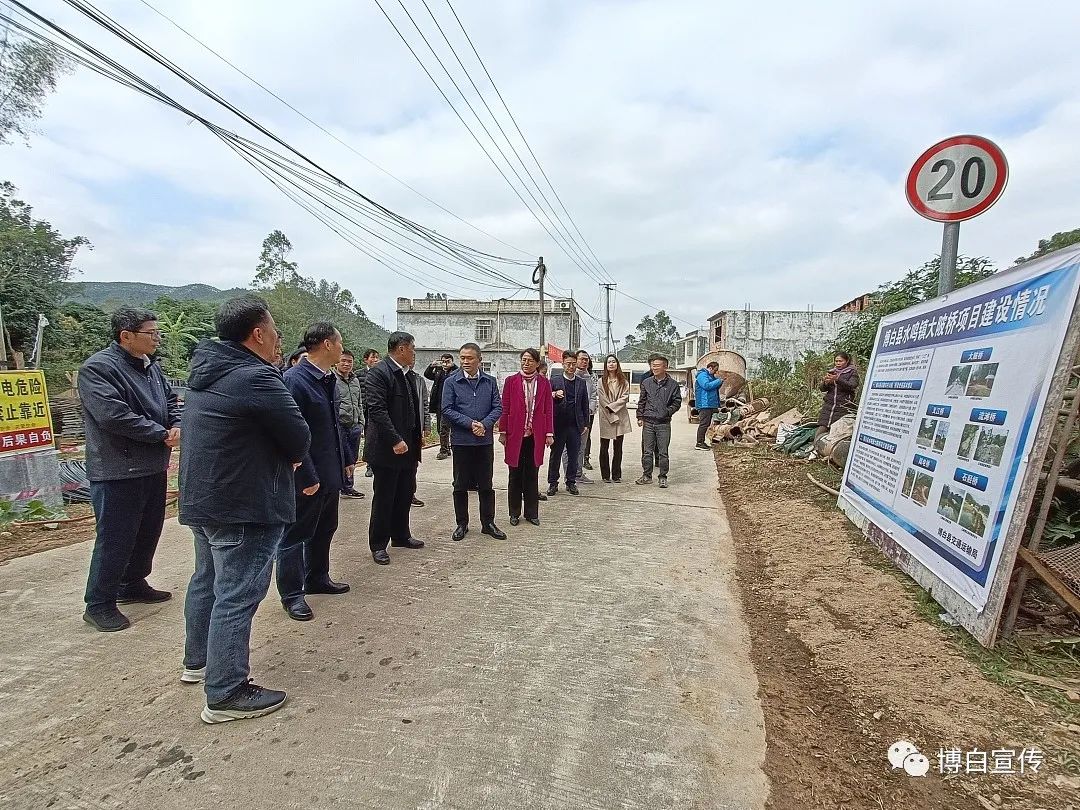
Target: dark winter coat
(128,409)
(242,434)
(572,411)
(839,396)
(658,400)
(393,415)
(437,374)
(316,394)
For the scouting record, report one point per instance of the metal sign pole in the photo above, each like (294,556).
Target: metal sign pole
(950,245)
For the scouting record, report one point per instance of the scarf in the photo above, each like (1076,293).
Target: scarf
(529,384)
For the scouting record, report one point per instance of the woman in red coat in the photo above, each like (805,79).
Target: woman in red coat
(526,429)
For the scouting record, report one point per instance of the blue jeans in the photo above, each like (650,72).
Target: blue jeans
(232,575)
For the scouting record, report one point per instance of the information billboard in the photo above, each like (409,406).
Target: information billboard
(951,425)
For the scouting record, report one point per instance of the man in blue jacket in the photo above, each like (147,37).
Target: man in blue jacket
(472,405)
(304,557)
(132,423)
(236,494)
(707,386)
(571,412)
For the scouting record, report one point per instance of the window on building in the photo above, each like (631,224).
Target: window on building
(487,366)
(485,327)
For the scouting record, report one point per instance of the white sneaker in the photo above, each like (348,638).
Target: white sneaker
(193,675)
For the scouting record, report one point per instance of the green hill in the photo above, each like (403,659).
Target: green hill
(108,295)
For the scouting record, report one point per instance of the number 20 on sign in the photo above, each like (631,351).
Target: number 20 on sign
(957,178)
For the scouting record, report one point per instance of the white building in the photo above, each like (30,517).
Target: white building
(786,335)
(502,328)
(690,348)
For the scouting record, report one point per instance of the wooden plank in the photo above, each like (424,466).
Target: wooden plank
(1052,580)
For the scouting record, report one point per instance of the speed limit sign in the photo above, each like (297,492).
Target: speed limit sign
(957,179)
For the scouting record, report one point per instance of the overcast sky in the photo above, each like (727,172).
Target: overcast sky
(713,154)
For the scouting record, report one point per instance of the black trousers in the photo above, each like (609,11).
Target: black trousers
(704,419)
(444,433)
(474,467)
(304,553)
(611,468)
(568,438)
(130,513)
(392,492)
(524,486)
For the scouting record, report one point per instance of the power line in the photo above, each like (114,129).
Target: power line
(269,160)
(523,138)
(320,127)
(563,244)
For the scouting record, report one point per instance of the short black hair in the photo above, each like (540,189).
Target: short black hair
(533,353)
(317,333)
(398,339)
(294,358)
(346,353)
(845,355)
(580,352)
(473,348)
(237,318)
(370,353)
(448,356)
(655,356)
(713,364)
(568,354)
(129,319)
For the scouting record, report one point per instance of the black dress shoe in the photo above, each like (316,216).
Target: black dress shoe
(417,502)
(553,491)
(352,493)
(300,611)
(326,586)
(412,542)
(514,521)
(541,497)
(534,521)
(493,531)
(460,532)
(572,489)
(381,557)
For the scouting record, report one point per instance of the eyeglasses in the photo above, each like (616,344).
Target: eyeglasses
(152,332)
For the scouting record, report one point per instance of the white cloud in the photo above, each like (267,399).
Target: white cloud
(714,154)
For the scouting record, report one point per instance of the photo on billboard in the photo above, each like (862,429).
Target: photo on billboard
(981,384)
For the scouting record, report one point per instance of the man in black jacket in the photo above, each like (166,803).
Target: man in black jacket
(394,441)
(659,399)
(304,556)
(132,423)
(438,372)
(236,493)
(570,394)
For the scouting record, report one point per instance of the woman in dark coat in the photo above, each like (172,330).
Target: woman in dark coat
(840,386)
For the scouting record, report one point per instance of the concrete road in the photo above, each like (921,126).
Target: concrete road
(599,661)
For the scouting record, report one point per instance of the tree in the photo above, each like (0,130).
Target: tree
(1055,242)
(35,261)
(75,332)
(183,324)
(28,72)
(857,338)
(274,267)
(654,335)
(772,368)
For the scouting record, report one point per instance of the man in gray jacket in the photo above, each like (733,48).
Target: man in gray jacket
(132,422)
(658,400)
(350,414)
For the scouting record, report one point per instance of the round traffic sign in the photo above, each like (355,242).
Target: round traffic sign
(957,179)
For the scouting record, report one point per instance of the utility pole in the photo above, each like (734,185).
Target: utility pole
(538,279)
(608,289)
